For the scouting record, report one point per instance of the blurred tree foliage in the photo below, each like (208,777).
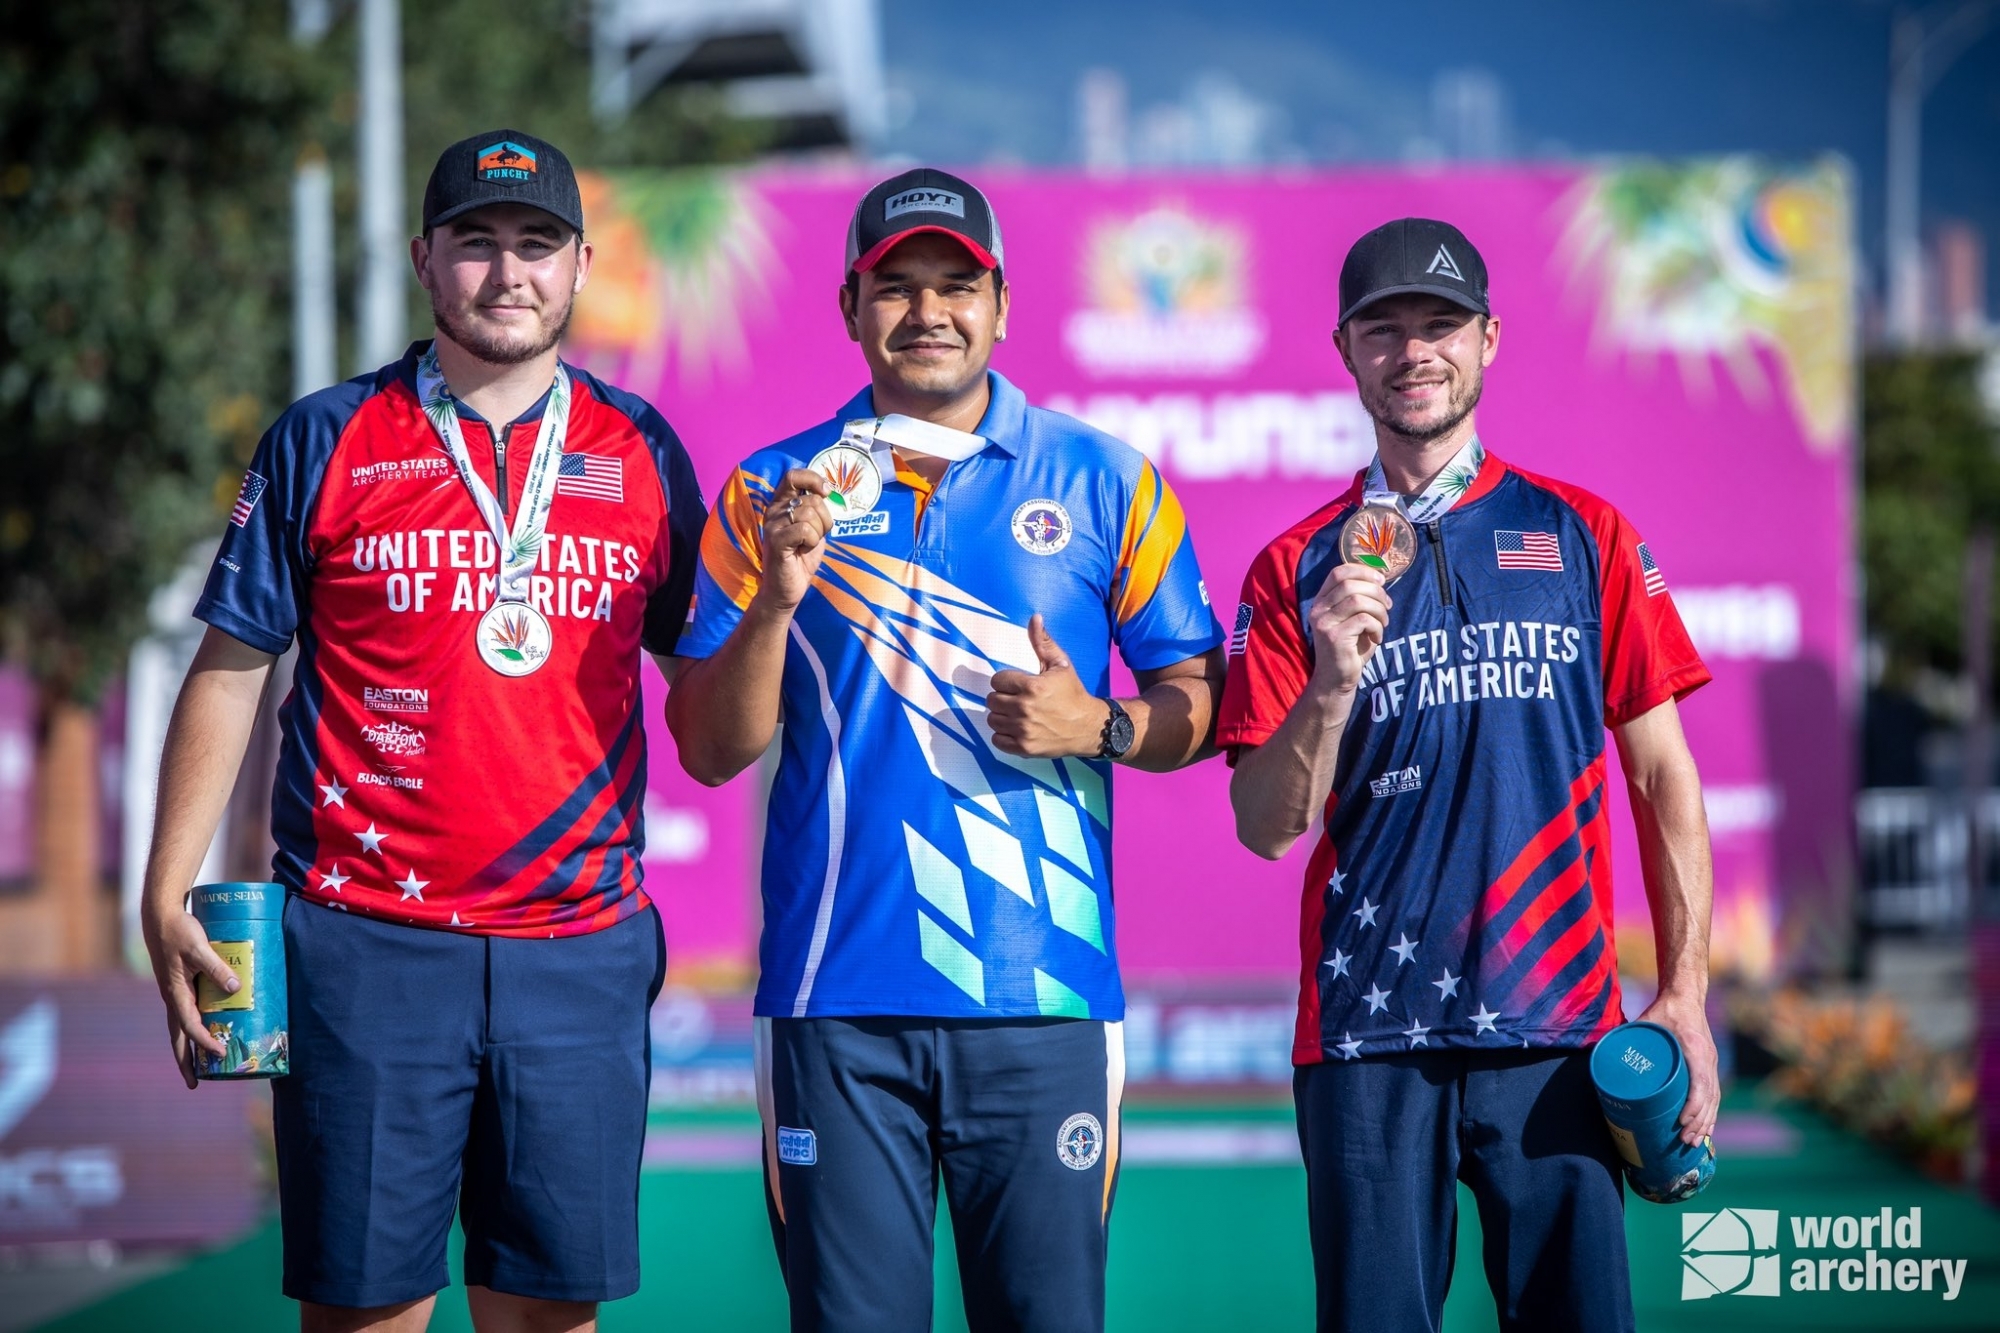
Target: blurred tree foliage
(1930,471)
(146,157)
(146,149)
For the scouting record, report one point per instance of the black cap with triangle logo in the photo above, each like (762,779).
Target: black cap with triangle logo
(1413,255)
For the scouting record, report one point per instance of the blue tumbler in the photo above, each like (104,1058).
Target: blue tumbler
(245,925)
(1642,1083)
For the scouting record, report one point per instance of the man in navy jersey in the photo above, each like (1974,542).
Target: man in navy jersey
(1443,706)
(471,546)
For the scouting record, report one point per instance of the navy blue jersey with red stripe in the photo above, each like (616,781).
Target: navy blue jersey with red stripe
(416,784)
(1460,894)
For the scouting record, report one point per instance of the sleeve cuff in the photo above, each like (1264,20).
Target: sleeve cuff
(263,640)
(1233,740)
(1674,685)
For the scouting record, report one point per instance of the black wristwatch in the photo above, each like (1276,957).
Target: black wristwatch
(1118,733)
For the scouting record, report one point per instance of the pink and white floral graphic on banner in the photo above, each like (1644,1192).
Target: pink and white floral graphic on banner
(1677,338)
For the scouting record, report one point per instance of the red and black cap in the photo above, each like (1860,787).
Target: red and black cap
(502,167)
(1413,255)
(922,200)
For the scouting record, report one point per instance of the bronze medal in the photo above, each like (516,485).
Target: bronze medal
(1379,537)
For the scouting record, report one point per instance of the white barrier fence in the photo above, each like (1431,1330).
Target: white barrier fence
(1912,842)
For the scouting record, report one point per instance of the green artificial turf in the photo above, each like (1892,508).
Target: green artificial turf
(1210,1247)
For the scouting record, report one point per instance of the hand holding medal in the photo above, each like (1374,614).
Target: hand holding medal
(1350,614)
(796,522)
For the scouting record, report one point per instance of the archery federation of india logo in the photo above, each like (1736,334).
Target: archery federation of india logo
(1730,1253)
(1080,1142)
(1042,527)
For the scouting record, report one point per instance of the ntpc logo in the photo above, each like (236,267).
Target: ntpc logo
(1730,1253)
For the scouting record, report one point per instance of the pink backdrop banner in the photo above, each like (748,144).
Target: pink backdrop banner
(1676,337)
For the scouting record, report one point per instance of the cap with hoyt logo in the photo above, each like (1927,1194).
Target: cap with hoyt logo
(919,201)
(502,167)
(1413,255)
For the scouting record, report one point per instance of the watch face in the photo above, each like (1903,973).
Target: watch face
(1118,738)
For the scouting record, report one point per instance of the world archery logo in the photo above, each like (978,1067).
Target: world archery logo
(1080,1142)
(506,163)
(1730,1253)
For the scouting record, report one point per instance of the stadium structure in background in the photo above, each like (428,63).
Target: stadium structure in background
(1680,335)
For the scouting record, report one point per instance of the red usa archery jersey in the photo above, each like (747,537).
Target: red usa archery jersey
(1460,894)
(415,784)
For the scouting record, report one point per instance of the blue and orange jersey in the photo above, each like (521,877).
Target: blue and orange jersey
(415,784)
(910,867)
(1460,892)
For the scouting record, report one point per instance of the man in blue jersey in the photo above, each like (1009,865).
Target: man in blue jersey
(925,589)
(1439,699)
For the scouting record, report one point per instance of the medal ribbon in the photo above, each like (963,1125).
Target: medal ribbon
(1443,492)
(521,549)
(880,435)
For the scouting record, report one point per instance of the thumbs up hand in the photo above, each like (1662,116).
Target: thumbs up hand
(1047,714)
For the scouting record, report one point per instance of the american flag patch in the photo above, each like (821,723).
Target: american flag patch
(1656,582)
(1528,550)
(591,477)
(247,498)
(1239,638)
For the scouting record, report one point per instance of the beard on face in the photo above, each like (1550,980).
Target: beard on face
(496,347)
(1381,405)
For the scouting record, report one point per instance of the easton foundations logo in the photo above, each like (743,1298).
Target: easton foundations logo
(395,699)
(1735,1252)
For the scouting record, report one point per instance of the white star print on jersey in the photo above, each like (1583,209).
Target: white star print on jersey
(1349,1049)
(333,879)
(1403,948)
(1339,962)
(1338,884)
(1418,1034)
(1447,985)
(412,887)
(1484,1019)
(1366,913)
(371,841)
(332,793)
(1378,1000)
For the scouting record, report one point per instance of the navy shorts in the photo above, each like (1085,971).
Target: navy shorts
(1386,1140)
(433,1073)
(1020,1118)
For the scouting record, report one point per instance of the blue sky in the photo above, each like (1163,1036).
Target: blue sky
(1351,83)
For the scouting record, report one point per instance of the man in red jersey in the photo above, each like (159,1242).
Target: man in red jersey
(470,546)
(1429,663)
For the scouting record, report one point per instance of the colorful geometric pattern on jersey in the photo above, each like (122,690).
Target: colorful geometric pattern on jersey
(909,866)
(415,783)
(1460,895)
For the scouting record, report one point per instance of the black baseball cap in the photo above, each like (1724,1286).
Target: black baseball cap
(1413,255)
(921,200)
(502,167)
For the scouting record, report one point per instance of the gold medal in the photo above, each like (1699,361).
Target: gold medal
(1379,537)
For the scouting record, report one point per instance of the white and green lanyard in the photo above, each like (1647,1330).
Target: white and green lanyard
(521,548)
(1443,492)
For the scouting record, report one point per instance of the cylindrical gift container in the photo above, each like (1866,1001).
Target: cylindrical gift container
(245,925)
(1642,1084)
